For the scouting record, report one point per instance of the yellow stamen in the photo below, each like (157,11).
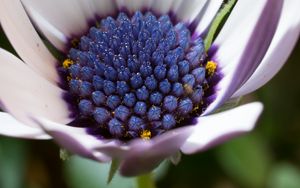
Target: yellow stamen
(196,108)
(98,24)
(69,78)
(205,86)
(188,88)
(75,42)
(211,67)
(67,63)
(146,135)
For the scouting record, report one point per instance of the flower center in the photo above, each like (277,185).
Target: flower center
(137,77)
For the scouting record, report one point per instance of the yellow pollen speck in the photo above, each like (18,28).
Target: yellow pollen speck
(69,78)
(211,67)
(75,42)
(188,89)
(145,135)
(98,24)
(205,86)
(196,108)
(67,63)
(179,120)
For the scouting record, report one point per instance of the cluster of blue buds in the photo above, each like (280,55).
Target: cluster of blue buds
(137,77)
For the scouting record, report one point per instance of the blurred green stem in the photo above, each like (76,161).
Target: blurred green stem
(145,181)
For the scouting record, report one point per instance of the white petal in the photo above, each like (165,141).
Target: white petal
(68,16)
(176,5)
(25,39)
(55,36)
(87,8)
(162,7)
(207,15)
(134,5)
(241,45)
(104,7)
(244,12)
(189,9)
(9,126)
(52,30)
(217,128)
(165,7)
(25,94)
(76,140)
(284,40)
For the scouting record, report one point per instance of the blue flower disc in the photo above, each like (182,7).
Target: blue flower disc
(136,75)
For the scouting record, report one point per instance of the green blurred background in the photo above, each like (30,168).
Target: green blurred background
(267,157)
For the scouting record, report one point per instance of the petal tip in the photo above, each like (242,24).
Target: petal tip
(217,128)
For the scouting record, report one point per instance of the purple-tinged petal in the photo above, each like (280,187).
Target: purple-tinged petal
(284,40)
(9,126)
(248,35)
(206,16)
(144,155)
(23,92)
(26,40)
(134,5)
(76,140)
(217,128)
(79,141)
(138,156)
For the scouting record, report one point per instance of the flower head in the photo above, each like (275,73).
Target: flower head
(137,77)
(139,84)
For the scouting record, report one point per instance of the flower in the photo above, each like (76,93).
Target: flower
(249,50)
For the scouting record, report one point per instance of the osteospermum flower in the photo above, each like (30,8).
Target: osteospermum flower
(134,80)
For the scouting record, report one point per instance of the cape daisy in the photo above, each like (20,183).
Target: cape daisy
(135,81)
